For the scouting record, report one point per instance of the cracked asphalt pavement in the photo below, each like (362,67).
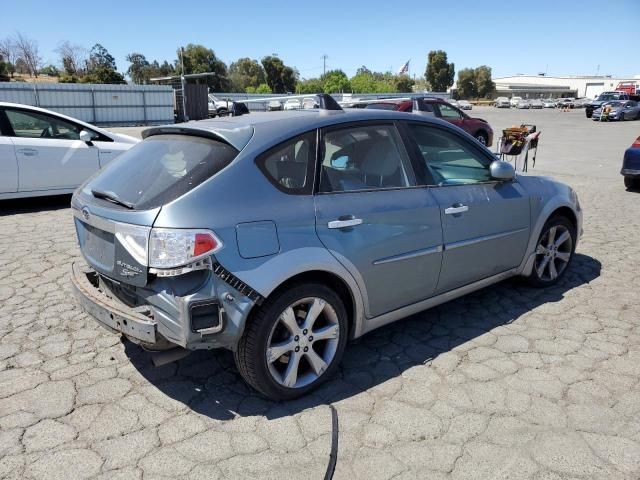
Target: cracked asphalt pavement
(509,382)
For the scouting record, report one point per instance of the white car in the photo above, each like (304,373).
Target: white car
(514,101)
(549,103)
(464,105)
(309,103)
(451,101)
(46,153)
(292,104)
(502,102)
(219,107)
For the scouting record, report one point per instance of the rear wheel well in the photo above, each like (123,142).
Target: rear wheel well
(332,281)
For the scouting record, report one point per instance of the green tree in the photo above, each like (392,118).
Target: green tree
(101,67)
(263,88)
(4,71)
(139,71)
(466,86)
(404,83)
(439,73)
(484,83)
(200,59)
(67,78)
(101,74)
(50,70)
(100,57)
(363,81)
(280,78)
(244,73)
(310,85)
(335,81)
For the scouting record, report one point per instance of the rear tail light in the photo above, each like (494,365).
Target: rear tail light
(135,240)
(636,143)
(171,248)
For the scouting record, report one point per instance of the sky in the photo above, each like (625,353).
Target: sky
(576,37)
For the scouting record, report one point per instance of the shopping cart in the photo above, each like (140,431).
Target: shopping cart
(516,143)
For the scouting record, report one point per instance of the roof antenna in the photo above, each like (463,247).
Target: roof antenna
(327,103)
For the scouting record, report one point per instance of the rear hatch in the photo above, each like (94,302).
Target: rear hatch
(115,210)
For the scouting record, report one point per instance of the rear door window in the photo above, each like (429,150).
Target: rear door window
(162,168)
(370,157)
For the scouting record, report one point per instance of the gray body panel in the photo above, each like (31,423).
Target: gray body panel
(487,239)
(396,251)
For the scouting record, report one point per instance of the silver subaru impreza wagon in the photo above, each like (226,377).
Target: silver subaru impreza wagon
(283,235)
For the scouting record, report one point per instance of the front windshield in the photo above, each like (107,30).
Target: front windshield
(608,96)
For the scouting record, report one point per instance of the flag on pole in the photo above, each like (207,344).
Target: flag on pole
(404,69)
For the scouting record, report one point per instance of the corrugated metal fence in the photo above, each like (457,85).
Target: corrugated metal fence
(97,104)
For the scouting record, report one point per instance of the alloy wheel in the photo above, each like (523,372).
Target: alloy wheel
(553,253)
(303,342)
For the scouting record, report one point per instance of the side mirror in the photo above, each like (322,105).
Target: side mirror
(87,137)
(501,170)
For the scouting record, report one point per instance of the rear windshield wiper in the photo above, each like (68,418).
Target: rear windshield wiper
(112,197)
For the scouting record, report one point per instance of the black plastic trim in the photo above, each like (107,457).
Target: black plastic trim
(234,282)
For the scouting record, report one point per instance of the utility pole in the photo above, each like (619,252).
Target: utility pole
(324,64)
(183,84)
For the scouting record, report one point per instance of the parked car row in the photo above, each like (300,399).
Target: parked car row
(522,103)
(292,104)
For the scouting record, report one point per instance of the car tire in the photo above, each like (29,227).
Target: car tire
(631,183)
(552,258)
(223,112)
(482,137)
(280,321)
(621,117)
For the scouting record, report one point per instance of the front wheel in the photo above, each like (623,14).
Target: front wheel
(621,117)
(293,342)
(554,251)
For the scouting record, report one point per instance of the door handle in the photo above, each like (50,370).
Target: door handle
(345,222)
(456,208)
(28,152)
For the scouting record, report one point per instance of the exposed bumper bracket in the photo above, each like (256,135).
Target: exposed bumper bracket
(108,312)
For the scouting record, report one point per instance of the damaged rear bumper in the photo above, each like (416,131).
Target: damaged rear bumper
(203,311)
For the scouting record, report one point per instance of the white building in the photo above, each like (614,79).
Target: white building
(543,86)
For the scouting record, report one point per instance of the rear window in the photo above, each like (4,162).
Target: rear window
(162,168)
